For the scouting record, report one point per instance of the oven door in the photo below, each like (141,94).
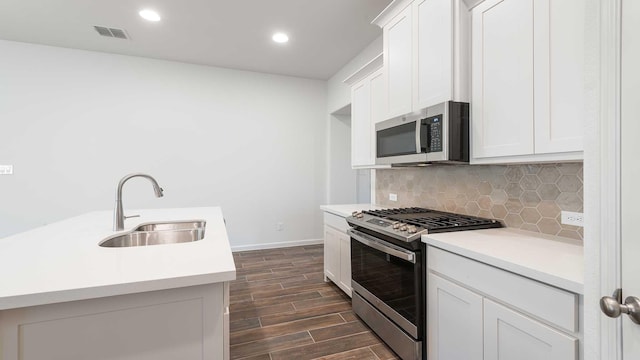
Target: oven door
(388,277)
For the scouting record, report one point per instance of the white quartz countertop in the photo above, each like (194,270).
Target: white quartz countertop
(63,262)
(552,260)
(345,210)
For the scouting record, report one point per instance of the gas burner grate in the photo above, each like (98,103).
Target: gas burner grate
(434,220)
(444,222)
(399,211)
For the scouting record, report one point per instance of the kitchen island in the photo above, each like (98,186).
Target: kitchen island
(64,297)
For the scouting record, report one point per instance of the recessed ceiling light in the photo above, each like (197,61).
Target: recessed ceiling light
(280,38)
(150,15)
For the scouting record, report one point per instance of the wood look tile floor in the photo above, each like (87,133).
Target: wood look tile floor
(282,309)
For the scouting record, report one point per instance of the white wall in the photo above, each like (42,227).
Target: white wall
(342,184)
(342,181)
(74,122)
(339,93)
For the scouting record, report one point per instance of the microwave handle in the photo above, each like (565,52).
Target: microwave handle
(373,243)
(418,144)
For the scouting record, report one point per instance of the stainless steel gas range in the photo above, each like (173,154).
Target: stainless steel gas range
(387,270)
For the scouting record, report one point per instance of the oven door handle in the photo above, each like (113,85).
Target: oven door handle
(378,245)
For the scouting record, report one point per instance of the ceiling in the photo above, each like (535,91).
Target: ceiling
(324,34)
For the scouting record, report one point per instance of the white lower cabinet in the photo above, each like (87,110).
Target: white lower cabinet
(332,254)
(509,334)
(337,252)
(478,312)
(454,314)
(345,263)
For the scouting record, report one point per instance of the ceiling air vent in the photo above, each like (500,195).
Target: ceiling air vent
(111,32)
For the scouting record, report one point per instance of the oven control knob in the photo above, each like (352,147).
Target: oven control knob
(357,214)
(411,229)
(403,227)
(396,225)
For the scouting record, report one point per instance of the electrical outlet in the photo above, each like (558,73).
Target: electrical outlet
(572,218)
(393,197)
(279,226)
(6,169)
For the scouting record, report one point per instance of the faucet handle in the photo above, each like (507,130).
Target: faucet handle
(132,216)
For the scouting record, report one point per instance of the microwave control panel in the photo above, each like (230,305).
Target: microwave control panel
(433,127)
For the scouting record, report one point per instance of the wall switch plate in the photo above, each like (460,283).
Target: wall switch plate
(393,197)
(6,169)
(572,218)
(279,226)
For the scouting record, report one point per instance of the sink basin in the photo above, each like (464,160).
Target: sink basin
(172,225)
(158,234)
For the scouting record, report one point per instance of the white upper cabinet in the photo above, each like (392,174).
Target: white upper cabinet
(442,43)
(396,40)
(528,86)
(502,102)
(560,88)
(426,53)
(433,42)
(378,99)
(361,125)
(368,106)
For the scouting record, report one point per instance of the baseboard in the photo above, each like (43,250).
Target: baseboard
(276,245)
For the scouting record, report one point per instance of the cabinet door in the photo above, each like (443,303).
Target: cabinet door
(454,321)
(397,43)
(361,130)
(332,254)
(368,106)
(559,75)
(502,93)
(433,58)
(379,108)
(509,335)
(345,263)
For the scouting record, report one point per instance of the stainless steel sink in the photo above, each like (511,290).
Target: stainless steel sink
(172,225)
(158,234)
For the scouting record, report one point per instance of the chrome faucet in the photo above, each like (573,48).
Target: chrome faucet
(118,216)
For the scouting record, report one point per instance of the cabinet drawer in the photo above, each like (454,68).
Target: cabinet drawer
(336,222)
(548,303)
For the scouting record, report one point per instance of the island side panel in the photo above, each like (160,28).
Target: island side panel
(225,323)
(184,323)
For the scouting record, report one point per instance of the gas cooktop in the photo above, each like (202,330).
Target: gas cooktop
(408,224)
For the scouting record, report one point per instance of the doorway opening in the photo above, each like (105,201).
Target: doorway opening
(346,185)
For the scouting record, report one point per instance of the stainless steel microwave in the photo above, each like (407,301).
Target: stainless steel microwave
(439,133)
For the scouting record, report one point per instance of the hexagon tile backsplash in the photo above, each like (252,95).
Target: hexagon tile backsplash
(528,197)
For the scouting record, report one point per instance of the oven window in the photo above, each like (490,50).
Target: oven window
(393,280)
(398,140)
